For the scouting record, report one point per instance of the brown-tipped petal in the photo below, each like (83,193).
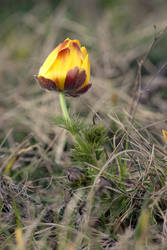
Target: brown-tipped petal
(75,45)
(79,92)
(63,44)
(47,83)
(74,79)
(63,53)
(84,89)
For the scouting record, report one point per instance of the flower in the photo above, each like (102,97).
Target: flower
(66,69)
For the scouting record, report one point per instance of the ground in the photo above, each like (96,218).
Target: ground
(106,187)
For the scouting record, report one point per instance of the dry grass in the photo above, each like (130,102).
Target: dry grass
(121,203)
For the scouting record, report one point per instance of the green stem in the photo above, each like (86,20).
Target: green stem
(68,120)
(64,108)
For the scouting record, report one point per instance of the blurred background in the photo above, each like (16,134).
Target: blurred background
(127,45)
(117,35)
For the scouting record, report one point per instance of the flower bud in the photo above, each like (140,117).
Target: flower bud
(66,69)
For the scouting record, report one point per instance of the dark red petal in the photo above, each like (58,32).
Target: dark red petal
(74,79)
(84,89)
(81,79)
(79,92)
(70,80)
(71,94)
(47,83)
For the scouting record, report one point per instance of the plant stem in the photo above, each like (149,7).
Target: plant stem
(68,120)
(64,108)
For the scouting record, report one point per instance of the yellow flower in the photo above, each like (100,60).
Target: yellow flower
(67,69)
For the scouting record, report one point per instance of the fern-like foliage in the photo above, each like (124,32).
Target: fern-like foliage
(74,127)
(90,146)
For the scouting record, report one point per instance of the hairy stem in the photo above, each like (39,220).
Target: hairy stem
(68,120)
(64,108)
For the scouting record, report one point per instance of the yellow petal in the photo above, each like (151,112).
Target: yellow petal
(74,59)
(84,51)
(59,68)
(52,57)
(76,41)
(164,132)
(76,52)
(86,66)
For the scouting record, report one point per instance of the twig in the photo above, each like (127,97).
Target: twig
(137,86)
